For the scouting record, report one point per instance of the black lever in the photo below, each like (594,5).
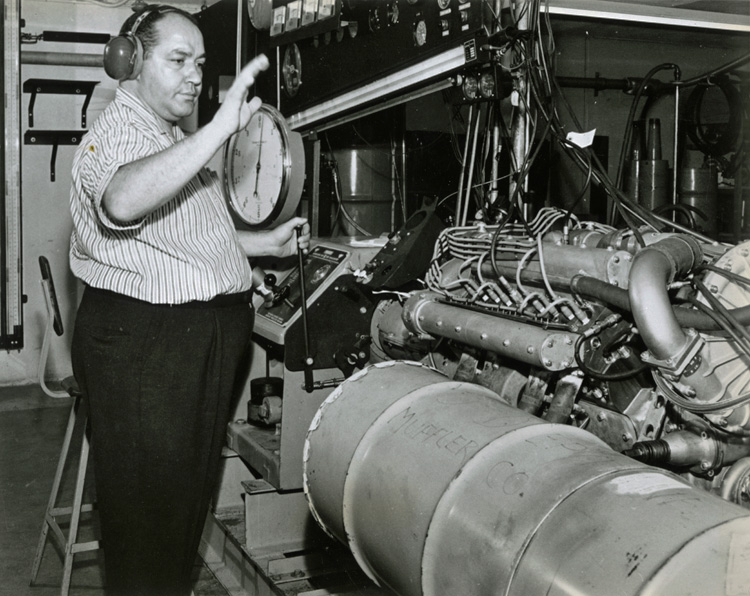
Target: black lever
(309,361)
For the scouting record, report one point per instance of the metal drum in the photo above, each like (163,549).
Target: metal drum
(366,193)
(653,171)
(698,190)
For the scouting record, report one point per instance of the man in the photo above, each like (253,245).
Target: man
(166,317)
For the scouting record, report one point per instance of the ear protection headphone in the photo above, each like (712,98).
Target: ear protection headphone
(123,55)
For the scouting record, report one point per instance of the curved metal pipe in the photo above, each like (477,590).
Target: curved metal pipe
(675,351)
(653,269)
(62,59)
(440,487)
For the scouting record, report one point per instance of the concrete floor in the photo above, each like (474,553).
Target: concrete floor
(32,427)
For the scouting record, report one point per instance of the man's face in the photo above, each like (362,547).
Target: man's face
(172,73)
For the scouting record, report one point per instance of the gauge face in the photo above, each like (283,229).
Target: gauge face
(263,169)
(292,70)
(443,4)
(470,87)
(420,33)
(487,85)
(260,13)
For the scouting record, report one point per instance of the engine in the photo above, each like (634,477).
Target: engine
(549,407)
(636,338)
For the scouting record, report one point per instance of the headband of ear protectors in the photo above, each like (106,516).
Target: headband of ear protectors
(123,55)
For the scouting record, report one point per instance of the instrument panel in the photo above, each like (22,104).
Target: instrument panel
(350,43)
(326,262)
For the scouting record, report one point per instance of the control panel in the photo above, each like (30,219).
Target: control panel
(326,262)
(329,48)
(322,265)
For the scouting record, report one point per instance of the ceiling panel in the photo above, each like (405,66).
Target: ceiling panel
(728,15)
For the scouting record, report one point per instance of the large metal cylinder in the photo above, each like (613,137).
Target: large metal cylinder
(439,487)
(698,189)
(653,171)
(366,188)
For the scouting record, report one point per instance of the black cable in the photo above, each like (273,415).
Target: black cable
(602,376)
(541,88)
(593,288)
(731,65)
(721,309)
(600,175)
(587,183)
(723,143)
(687,210)
(739,279)
(539,82)
(631,117)
(496,236)
(702,408)
(721,322)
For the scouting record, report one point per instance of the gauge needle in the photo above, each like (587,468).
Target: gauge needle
(257,165)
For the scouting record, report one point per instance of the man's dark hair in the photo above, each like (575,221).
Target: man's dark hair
(146,30)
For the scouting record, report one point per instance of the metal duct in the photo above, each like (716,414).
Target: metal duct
(653,269)
(62,59)
(675,351)
(439,487)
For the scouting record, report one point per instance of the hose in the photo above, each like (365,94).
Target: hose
(593,288)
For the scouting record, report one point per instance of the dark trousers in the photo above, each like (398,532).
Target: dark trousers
(160,383)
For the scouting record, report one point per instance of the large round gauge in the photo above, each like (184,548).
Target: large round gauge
(264,170)
(260,13)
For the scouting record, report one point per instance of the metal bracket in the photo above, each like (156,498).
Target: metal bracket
(54,138)
(60,87)
(677,364)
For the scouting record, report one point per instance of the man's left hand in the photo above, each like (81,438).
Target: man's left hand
(285,240)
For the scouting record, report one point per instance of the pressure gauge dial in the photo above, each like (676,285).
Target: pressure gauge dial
(264,170)
(291,70)
(420,32)
(260,13)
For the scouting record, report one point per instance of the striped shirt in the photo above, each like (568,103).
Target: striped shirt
(185,250)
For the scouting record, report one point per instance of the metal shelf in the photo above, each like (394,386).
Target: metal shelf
(60,87)
(54,138)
